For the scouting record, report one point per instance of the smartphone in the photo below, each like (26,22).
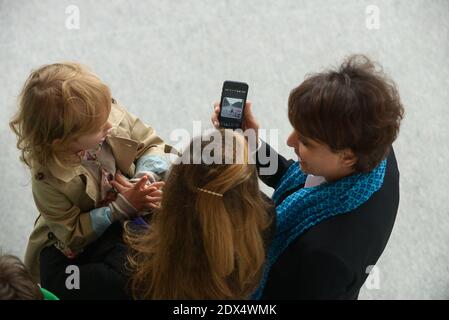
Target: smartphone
(232,104)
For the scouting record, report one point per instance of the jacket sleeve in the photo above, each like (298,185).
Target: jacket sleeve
(323,275)
(151,151)
(267,157)
(72,228)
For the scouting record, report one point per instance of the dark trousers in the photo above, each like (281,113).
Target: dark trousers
(102,269)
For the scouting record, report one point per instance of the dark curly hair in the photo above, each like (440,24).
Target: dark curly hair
(356,107)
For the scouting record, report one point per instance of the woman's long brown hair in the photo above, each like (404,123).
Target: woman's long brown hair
(200,245)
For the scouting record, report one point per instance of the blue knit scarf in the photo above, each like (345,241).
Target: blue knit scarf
(307,207)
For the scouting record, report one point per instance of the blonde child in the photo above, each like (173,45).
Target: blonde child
(76,139)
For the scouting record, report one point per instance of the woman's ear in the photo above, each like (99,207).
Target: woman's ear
(56,142)
(348,158)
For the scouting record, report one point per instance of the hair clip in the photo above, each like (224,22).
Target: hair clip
(210,192)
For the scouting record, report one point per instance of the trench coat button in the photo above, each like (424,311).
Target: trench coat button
(39,176)
(51,236)
(113,100)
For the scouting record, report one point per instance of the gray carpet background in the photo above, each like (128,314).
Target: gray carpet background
(166,61)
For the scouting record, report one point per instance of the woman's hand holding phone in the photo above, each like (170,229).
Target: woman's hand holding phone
(249,121)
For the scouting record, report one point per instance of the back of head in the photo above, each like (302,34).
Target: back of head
(16,282)
(207,241)
(356,107)
(58,101)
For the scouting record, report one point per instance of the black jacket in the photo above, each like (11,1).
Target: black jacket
(102,266)
(330,260)
(101,269)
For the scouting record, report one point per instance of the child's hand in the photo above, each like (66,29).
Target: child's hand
(140,195)
(155,197)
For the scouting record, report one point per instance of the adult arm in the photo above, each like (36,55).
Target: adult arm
(267,157)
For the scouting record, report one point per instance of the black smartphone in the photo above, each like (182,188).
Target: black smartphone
(232,104)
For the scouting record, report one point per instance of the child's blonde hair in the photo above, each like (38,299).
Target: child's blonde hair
(58,101)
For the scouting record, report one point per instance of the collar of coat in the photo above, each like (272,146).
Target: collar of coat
(124,150)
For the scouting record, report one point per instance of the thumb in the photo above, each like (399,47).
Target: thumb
(117,186)
(249,110)
(142,182)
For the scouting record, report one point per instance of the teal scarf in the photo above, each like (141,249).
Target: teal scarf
(307,207)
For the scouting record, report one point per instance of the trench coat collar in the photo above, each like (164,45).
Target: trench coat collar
(124,149)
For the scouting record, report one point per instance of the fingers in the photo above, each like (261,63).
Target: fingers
(147,191)
(152,203)
(248,112)
(152,192)
(155,193)
(248,115)
(141,183)
(146,195)
(152,189)
(215,115)
(158,185)
(118,187)
(250,122)
(215,123)
(153,199)
(123,181)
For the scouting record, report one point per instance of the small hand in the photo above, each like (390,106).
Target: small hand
(139,195)
(155,197)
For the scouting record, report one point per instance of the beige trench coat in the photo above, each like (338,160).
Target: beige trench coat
(64,200)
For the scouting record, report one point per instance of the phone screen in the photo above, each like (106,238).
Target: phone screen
(233,100)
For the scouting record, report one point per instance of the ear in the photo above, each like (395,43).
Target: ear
(348,158)
(55,142)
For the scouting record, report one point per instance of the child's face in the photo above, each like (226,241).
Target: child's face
(318,159)
(91,140)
